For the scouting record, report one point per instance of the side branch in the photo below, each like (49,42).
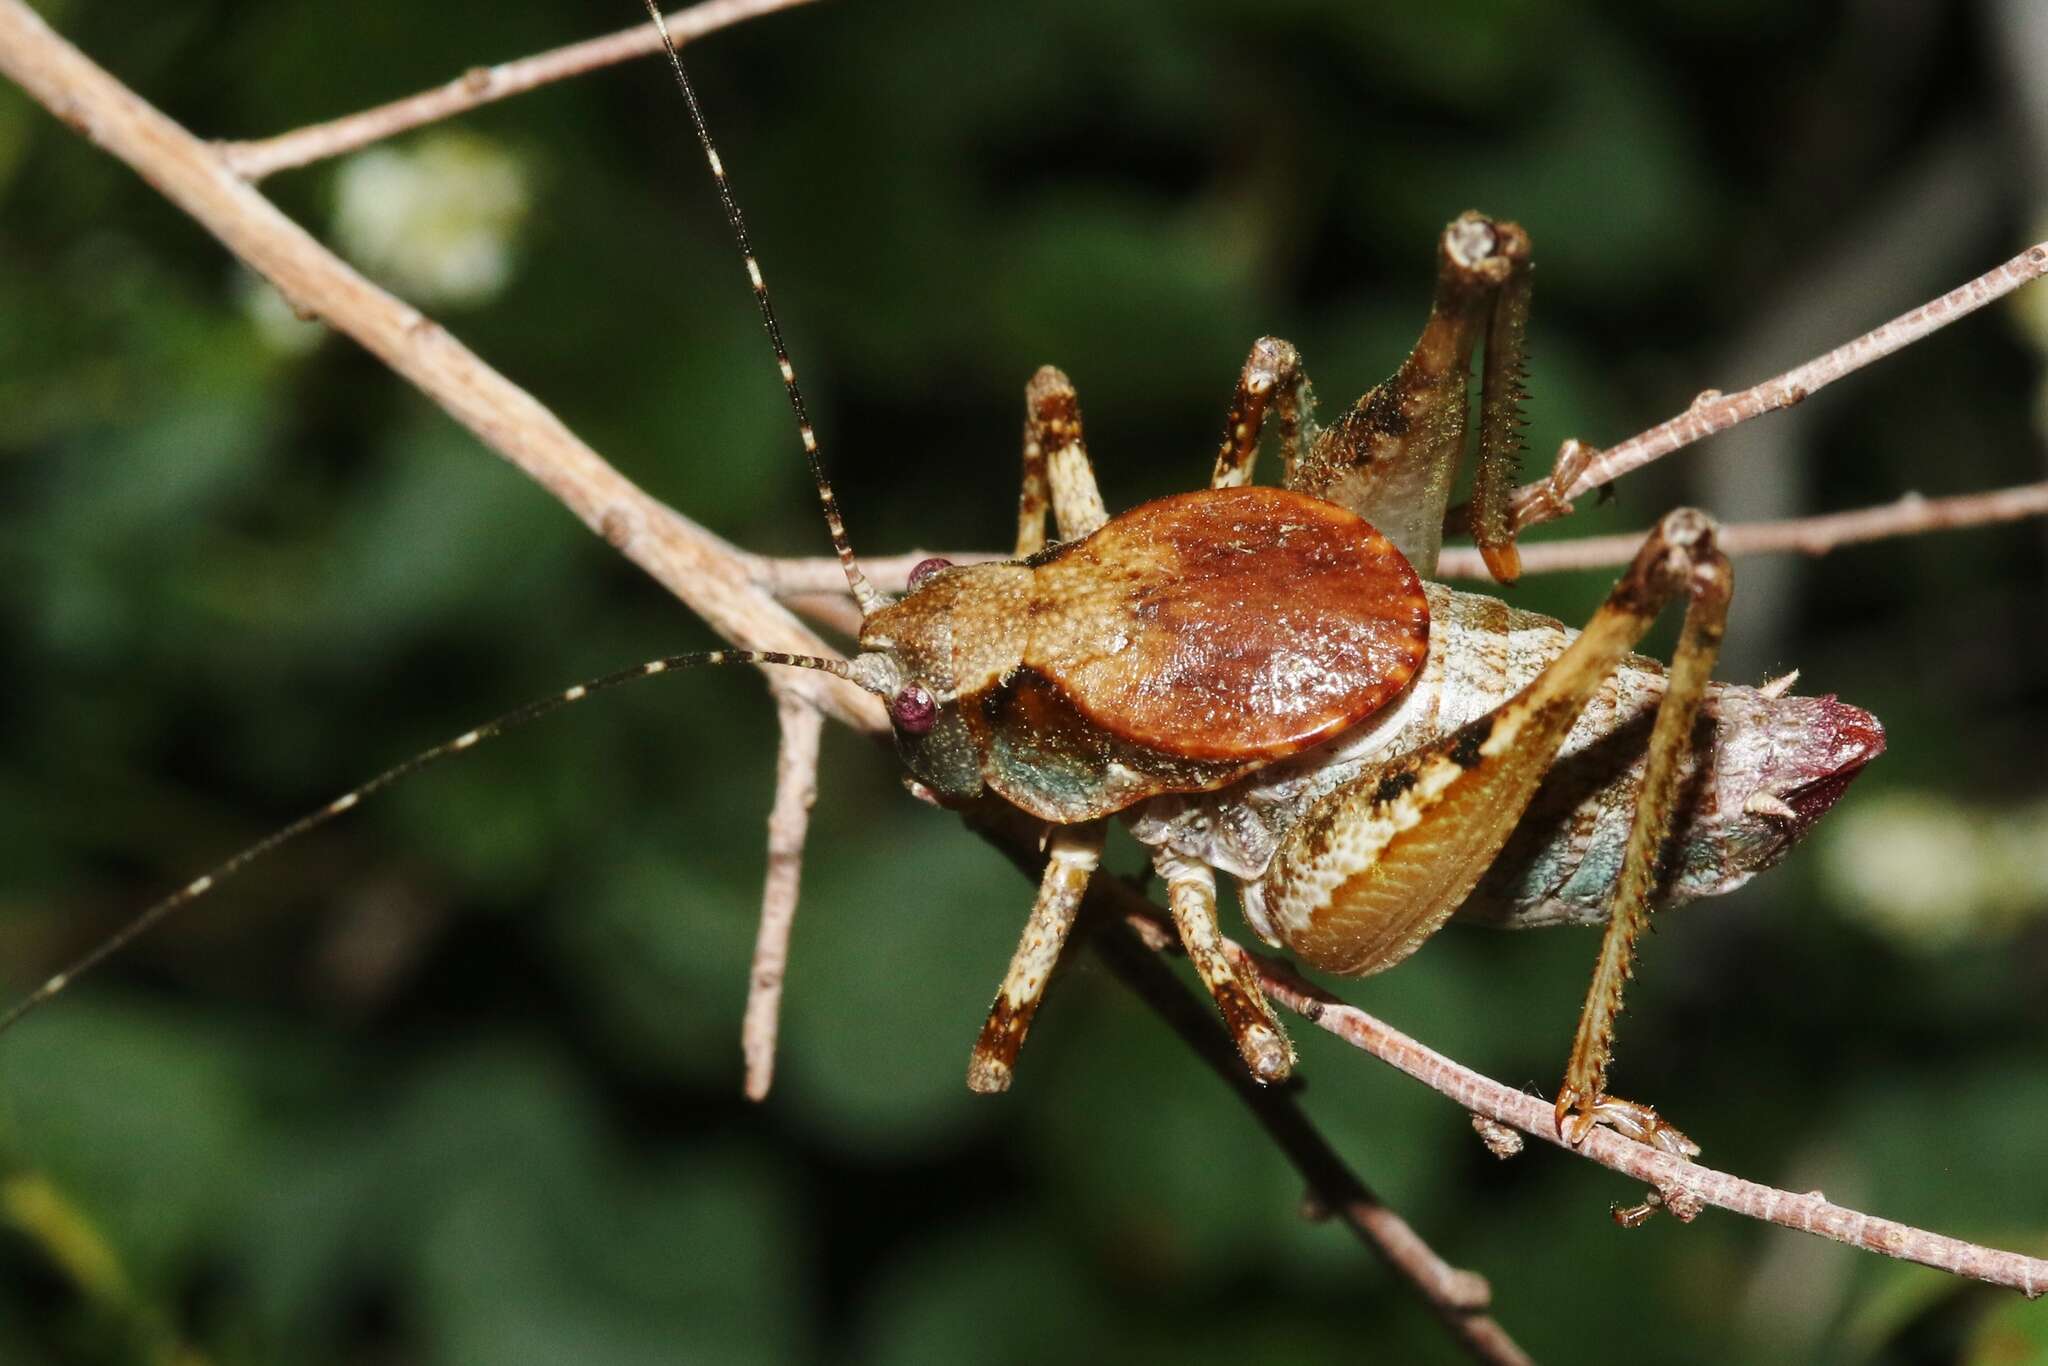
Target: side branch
(1580,470)
(256,158)
(806,581)
(789,821)
(1684,1185)
(1911,515)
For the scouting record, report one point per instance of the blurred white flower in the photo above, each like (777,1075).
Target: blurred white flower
(435,221)
(1928,872)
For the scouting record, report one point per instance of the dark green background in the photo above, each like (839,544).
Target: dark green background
(457,1079)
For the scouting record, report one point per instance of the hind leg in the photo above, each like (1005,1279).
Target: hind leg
(1372,869)
(1393,457)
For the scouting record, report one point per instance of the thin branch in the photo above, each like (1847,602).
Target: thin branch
(789,819)
(1911,515)
(1579,469)
(1458,1297)
(698,567)
(806,581)
(256,158)
(1684,1186)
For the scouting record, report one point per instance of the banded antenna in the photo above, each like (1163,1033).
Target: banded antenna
(348,801)
(863,592)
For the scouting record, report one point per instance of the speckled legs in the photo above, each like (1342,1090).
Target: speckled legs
(1072,856)
(1055,463)
(1191,892)
(1679,558)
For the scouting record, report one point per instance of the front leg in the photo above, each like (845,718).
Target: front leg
(1272,379)
(1074,853)
(1191,893)
(1055,463)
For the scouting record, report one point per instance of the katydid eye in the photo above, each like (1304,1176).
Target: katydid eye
(913,710)
(924,569)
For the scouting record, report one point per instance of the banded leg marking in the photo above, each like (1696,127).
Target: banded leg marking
(1191,892)
(1052,422)
(1272,379)
(1076,851)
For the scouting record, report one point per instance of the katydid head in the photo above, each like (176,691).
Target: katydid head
(909,657)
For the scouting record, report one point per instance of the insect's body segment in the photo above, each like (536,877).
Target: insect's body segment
(1176,648)
(1763,768)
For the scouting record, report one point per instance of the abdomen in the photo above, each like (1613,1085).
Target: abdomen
(1560,863)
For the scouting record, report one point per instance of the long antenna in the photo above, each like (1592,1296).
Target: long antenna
(863,592)
(347,801)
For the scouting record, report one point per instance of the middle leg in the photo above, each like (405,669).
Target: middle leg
(1191,893)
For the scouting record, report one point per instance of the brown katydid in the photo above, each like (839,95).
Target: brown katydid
(1075,724)
(1259,680)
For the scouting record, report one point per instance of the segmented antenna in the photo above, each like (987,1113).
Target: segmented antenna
(312,820)
(863,592)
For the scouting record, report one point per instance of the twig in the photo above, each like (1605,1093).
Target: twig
(1579,470)
(802,579)
(1456,1296)
(796,789)
(1911,515)
(256,158)
(699,568)
(1683,1185)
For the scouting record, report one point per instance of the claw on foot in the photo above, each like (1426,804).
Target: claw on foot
(1267,1053)
(1578,1115)
(987,1075)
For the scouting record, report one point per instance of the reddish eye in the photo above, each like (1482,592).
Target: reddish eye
(913,710)
(924,569)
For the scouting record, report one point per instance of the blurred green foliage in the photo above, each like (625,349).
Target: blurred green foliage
(457,1079)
